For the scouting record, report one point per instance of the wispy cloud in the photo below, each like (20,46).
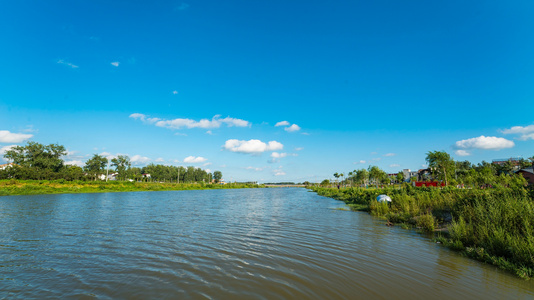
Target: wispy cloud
(66,63)
(462,153)
(288,128)
(181,6)
(299,149)
(389,154)
(275,156)
(251,146)
(78,163)
(394,165)
(115,63)
(215,122)
(139,160)
(279,171)
(254,169)
(525,133)
(484,143)
(175,92)
(9,137)
(159,160)
(194,160)
(292,128)
(360,162)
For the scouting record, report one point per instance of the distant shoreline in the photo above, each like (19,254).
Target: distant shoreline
(12,187)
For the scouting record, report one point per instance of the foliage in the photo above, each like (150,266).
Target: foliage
(45,159)
(494,225)
(96,165)
(217,176)
(441,164)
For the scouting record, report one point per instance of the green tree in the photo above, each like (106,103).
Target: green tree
(122,165)
(400,177)
(42,159)
(441,164)
(217,176)
(377,175)
(361,176)
(96,165)
(336,175)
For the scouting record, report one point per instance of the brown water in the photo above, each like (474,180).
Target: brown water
(226,244)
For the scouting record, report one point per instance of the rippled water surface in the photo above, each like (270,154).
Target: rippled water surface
(226,244)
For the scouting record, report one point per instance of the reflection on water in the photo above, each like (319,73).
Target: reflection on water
(225,244)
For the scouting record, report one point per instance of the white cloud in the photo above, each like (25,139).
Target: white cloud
(299,149)
(115,63)
(254,169)
(394,165)
(279,172)
(207,164)
(215,122)
(360,162)
(485,143)
(251,146)
(108,155)
(138,116)
(193,159)
(139,160)
(389,154)
(67,64)
(462,153)
(9,137)
(278,155)
(292,128)
(159,159)
(525,133)
(209,132)
(175,92)
(78,163)
(282,123)
(4,149)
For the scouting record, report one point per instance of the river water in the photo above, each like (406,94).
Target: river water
(281,243)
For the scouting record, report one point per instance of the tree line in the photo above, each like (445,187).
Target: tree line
(36,161)
(441,167)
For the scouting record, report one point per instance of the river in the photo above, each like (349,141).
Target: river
(280,243)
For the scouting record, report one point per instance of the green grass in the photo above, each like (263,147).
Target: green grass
(495,226)
(35,187)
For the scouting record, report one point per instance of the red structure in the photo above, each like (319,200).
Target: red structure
(528,173)
(429,183)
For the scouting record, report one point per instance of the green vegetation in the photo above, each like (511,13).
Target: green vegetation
(12,187)
(487,213)
(35,161)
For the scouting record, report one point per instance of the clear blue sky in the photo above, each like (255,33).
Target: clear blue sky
(205,83)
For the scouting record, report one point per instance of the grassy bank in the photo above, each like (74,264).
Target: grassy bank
(495,226)
(35,187)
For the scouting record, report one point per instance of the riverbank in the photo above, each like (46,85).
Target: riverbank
(13,187)
(491,225)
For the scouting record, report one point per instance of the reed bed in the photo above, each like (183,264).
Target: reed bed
(492,225)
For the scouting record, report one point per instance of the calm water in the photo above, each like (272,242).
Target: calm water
(225,244)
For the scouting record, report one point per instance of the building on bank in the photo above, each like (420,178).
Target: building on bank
(528,173)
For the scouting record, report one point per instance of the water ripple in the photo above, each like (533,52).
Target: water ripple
(225,244)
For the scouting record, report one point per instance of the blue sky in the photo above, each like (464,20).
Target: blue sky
(204,83)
